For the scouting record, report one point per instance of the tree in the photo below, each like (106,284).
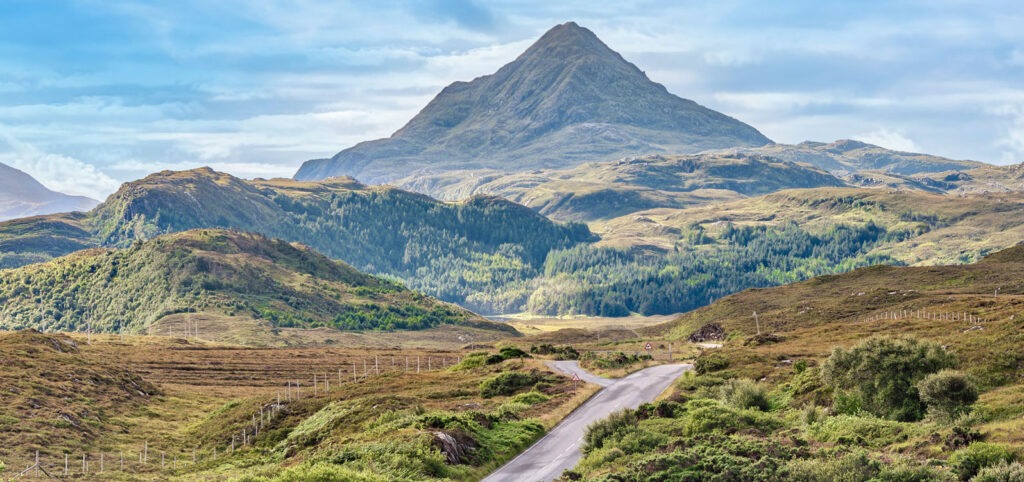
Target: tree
(882,375)
(948,394)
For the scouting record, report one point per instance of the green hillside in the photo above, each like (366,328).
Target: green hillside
(884,373)
(210,272)
(448,250)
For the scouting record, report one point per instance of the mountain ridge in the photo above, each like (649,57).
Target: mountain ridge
(21,195)
(568,98)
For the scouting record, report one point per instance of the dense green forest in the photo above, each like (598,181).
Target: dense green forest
(447,250)
(610,282)
(487,254)
(210,271)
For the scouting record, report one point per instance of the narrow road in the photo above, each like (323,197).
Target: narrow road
(561,448)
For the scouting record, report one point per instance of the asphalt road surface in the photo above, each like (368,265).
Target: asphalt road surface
(561,448)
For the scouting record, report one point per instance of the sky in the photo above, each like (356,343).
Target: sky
(94,93)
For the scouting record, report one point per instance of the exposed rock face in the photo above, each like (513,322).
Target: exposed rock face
(566,100)
(708,332)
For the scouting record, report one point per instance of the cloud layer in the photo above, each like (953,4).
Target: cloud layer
(100,92)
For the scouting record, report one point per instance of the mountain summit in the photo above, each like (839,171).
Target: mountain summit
(566,100)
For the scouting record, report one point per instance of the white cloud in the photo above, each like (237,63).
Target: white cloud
(58,172)
(780,102)
(1013,141)
(889,139)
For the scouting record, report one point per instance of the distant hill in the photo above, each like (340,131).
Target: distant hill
(853,156)
(21,195)
(210,271)
(450,250)
(603,190)
(937,228)
(568,99)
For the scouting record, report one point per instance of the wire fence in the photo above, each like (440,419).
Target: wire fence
(147,459)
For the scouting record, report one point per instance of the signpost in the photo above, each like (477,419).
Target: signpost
(649,348)
(575,380)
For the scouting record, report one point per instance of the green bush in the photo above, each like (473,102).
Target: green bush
(507,383)
(1003,472)
(907,471)
(882,374)
(860,431)
(602,430)
(710,361)
(812,414)
(566,352)
(705,416)
(713,458)
(530,398)
(969,461)
(851,467)
(947,394)
(472,360)
(323,472)
(745,393)
(691,381)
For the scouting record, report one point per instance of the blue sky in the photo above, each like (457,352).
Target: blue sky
(97,92)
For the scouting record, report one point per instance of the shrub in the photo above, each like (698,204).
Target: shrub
(745,393)
(508,352)
(530,398)
(507,383)
(710,362)
(812,414)
(601,430)
(947,394)
(907,471)
(882,374)
(1003,472)
(711,457)
(967,462)
(707,416)
(863,431)
(566,352)
(851,467)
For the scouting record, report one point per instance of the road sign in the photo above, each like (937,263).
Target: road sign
(648,347)
(575,377)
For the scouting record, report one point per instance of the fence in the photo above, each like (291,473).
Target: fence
(148,460)
(924,314)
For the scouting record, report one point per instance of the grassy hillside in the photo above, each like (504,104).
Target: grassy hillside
(847,155)
(180,405)
(210,272)
(448,250)
(766,406)
(939,229)
(603,190)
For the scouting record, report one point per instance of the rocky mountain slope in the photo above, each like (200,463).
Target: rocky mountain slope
(568,99)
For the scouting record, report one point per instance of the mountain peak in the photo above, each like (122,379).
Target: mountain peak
(569,35)
(567,99)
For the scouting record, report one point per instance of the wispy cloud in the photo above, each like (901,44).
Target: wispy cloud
(55,171)
(115,89)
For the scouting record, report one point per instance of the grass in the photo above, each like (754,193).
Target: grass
(207,392)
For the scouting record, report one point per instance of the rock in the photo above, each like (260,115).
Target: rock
(708,332)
